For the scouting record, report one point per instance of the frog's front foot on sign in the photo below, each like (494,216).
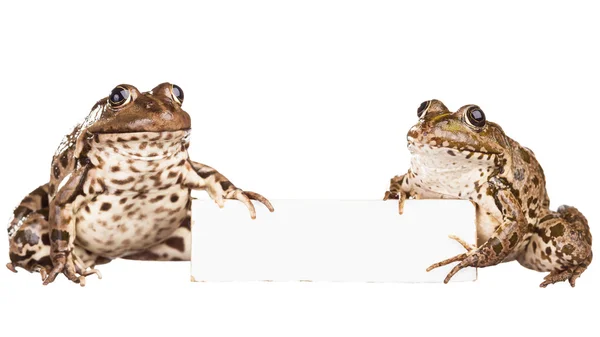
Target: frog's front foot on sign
(246,197)
(401,197)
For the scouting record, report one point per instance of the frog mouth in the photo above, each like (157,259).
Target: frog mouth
(445,148)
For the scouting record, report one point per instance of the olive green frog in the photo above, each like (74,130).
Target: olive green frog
(461,155)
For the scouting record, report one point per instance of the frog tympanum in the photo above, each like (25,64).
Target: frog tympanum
(461,155)
(119,187)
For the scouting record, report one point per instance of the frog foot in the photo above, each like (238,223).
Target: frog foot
(73,270)
(570,274)
(39,268)
(246,197)
(469,247)
(401,197)
(11,267)
(468,259)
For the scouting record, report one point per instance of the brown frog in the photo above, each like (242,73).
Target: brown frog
(460,155)
(120,186)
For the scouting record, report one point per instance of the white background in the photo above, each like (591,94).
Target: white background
(304,99)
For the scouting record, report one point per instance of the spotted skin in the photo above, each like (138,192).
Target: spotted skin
(120,187)
(460,155)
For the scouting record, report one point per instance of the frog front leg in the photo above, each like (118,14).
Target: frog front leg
(404,187)
(505,238)
(219,188)
(62,229)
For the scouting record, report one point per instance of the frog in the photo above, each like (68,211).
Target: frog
(462,155)
(120,187)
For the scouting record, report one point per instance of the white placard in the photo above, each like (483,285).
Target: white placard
(330,240)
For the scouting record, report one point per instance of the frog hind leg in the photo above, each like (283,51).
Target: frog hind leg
(176,247)
(29,248)
(29,245)
(561,244)
(29,239)
(29,242)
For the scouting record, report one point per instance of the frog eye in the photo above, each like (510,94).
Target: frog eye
(475,117)
(422,110)
(119,96)
(177,94)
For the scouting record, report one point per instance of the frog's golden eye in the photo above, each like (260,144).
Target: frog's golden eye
(475,117)
(119,96)
(177,94)
(422,110)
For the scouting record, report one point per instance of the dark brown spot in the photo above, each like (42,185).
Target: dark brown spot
(172,174)
(205,174)
(226,185)
(123,181)
(450,152)
(105,206)
(568,249)
(57,235)
(532,213)
(143,145)
(122,201)
(174,198)
(116,217)
(557,230)
(535,180)
(64,159)
(115,169)
(157,198)
(496,245)
(176,243)
(525,155)
(548,250)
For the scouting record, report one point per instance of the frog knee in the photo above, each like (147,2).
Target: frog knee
(572,215)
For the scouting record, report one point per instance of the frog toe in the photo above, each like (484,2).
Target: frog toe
(557,276)
(11,267)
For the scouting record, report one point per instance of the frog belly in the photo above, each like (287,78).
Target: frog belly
(114,226)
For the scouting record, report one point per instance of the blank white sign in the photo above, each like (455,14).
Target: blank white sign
(330,240)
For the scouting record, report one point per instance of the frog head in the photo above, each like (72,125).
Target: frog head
(465,131)
(451,150)
(128,110)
